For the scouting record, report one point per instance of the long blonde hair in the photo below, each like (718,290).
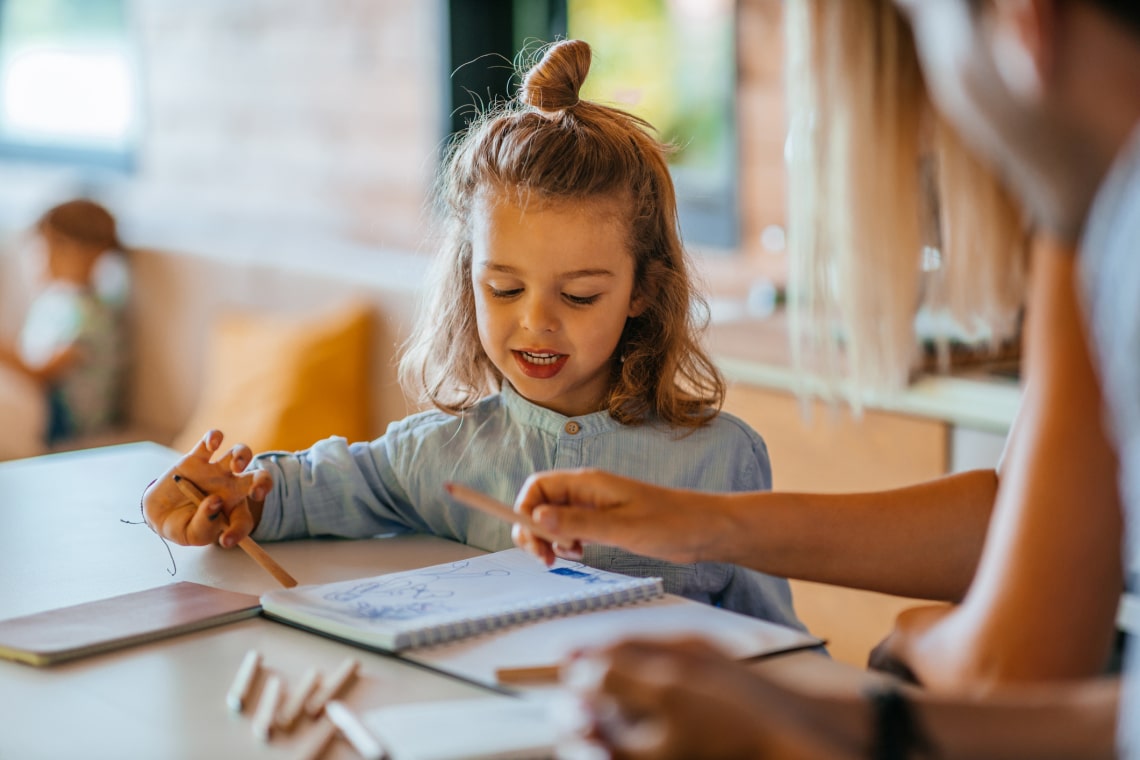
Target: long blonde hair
(550,147)
(876,178)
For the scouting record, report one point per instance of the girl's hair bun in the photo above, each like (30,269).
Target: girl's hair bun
(553,83)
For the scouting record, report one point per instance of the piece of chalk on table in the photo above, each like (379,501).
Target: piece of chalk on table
(354,731)
(331,687)
(266,714)
(295,704)
(243,681)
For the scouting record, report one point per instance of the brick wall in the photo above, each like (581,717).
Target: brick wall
(323,119)
(317,114)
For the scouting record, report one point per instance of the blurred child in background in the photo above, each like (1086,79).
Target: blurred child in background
(71,343)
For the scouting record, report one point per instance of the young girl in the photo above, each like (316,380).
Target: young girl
(559,335)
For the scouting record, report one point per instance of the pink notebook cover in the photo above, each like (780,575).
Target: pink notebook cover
(46,638)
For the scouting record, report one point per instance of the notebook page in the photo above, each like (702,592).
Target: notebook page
(548,642)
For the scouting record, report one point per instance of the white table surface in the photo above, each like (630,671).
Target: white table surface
(62,543)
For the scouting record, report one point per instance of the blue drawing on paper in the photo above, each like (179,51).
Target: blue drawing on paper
(407,596)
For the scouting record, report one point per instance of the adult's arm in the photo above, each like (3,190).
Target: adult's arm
(1048,585)
(923,540)
(655,700)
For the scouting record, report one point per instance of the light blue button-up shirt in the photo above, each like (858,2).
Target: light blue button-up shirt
(394,484)
(1110,272)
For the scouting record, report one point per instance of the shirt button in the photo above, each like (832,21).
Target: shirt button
(572,427)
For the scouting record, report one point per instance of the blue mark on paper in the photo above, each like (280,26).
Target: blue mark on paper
(570,572)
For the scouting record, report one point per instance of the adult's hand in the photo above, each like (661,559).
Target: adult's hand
(655,700)
(576,507)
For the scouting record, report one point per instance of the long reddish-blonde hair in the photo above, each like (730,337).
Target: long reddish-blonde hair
(877,179)
(549,146)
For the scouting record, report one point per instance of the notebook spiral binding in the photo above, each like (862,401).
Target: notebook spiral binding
(635,590)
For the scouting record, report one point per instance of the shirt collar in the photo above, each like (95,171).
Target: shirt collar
(533,415)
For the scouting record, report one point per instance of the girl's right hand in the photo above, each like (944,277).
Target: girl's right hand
(231,508)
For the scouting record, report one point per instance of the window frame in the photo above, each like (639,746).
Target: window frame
(81,154)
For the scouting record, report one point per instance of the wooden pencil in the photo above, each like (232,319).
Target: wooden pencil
(528,674)
(195,494)
(484,503)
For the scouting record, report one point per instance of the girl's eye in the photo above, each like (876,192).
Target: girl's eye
(508,293)
(580,300)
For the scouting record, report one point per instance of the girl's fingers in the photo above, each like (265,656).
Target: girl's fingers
(226,461)
(239,458)
(260,483)
(206,445)
(204,527)
(240,526)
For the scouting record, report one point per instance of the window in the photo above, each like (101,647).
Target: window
(672,62)
(68,82)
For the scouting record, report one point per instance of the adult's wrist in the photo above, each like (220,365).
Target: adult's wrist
(897,733)
(732,537)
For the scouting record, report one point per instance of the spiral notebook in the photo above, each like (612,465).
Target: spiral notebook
(454,600)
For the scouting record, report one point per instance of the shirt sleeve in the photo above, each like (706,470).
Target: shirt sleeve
(336,489)
(759,594)
(753,470)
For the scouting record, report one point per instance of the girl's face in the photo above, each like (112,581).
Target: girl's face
(553,288)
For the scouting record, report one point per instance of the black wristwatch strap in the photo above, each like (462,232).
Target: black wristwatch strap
(897,734)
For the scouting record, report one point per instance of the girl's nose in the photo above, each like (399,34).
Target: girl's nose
(538,316)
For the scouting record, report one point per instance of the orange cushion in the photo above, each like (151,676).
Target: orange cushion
(283,383)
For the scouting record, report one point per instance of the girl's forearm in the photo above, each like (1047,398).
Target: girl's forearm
(922,540)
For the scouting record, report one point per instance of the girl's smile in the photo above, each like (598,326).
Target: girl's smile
(540,364)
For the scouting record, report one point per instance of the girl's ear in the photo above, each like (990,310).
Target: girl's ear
(638,303)
(645,289)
